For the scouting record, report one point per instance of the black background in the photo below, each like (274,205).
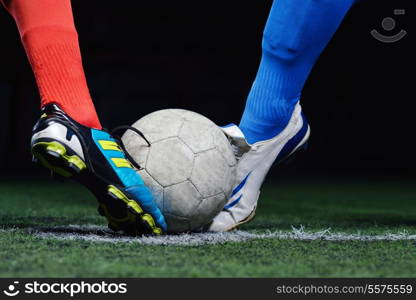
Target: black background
(141,56)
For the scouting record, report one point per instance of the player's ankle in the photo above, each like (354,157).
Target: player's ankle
(259,132)
(260,128)
(84,116)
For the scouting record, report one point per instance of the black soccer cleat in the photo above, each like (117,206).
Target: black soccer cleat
(95,159)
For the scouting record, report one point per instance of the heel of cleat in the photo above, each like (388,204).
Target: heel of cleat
(54,156)
(135,212)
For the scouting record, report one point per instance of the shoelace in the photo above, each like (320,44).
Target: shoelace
(123,147)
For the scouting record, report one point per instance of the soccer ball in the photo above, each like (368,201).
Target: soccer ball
(189,165)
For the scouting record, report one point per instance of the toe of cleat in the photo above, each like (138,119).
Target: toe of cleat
(135,212)
(54,156)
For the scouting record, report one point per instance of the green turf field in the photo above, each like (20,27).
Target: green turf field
(361,209)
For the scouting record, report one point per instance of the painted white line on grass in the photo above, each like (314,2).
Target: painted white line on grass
(8,229)
(96,233)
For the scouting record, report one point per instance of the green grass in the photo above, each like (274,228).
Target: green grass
(343,207)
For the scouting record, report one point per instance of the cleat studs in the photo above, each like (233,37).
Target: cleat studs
(76,163)
(53,156)
(135,207)
(74,168)
(157,231)
(150,224)
(117,194)
(149,220)
(56,148)
(112,195)
(138,221)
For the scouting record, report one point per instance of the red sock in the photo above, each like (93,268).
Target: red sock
(51,42)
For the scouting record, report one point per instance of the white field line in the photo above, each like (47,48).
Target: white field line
(96,233)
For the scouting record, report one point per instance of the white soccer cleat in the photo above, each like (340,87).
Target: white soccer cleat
(254,162)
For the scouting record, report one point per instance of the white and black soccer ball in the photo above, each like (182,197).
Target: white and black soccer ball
(189,167)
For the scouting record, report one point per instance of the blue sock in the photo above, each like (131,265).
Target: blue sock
(296,33)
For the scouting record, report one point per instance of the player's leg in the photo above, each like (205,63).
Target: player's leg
(51,43)
(296,33)
(68,138)
(273,126)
